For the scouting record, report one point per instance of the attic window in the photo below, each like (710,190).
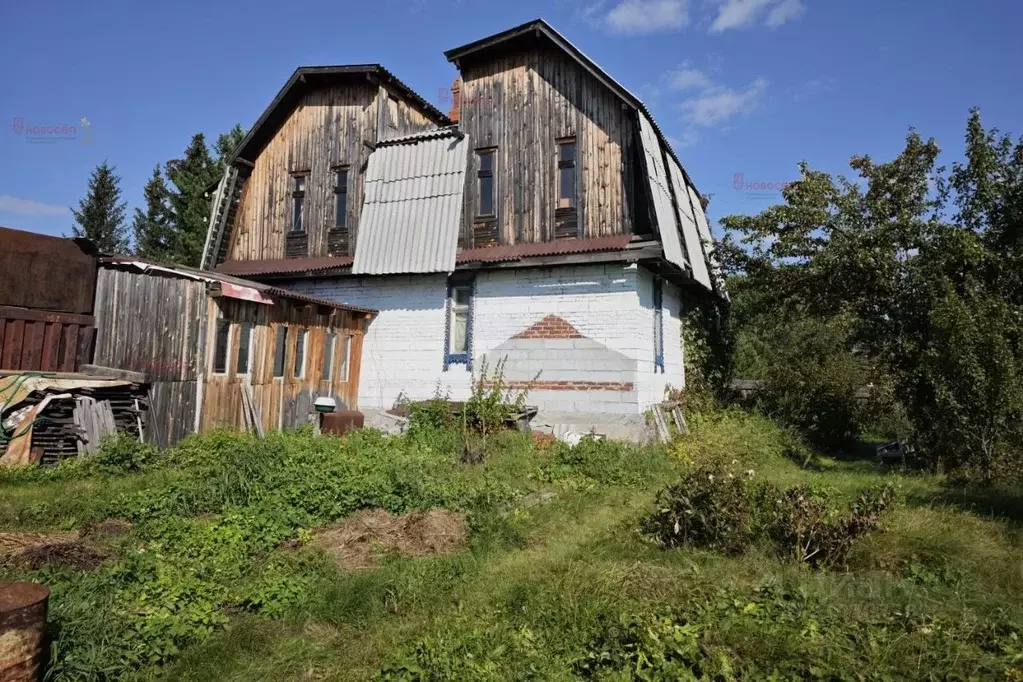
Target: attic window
(341,198)
(566,174)
(485,182)
(298,202)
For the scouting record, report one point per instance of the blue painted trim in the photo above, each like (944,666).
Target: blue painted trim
(459,358)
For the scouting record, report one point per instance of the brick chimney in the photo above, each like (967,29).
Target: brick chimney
(456,100)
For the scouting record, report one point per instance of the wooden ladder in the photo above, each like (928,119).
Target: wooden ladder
(223,199)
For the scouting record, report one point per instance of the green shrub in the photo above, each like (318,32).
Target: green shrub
(121,454)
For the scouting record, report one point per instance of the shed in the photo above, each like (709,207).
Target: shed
(219,351)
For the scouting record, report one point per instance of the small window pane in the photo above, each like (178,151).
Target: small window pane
(487,162)
(341,199)
(299,183)
(244,345)
(328,356)
(460,331)
(486,196)
(461,295)
(279,351)
(567,151)
(566,194)
(346,350)
(299,354)
(297,224)
(220,346)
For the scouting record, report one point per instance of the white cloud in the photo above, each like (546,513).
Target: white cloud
(647,16)
(717,104)
(686,77)
(746,13)
(9,204)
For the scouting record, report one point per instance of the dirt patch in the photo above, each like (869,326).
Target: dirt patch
(35,550)
(363,539)
(109,528)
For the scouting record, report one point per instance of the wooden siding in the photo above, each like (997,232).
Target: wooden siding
(155,325)
(281,402)
(522,104)
(331,127)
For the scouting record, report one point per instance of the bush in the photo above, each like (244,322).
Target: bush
(728,511)
(121,454)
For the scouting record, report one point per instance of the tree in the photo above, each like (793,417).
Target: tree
(933,297)
(153,229)
(191,177)
(100,215)
(227,143)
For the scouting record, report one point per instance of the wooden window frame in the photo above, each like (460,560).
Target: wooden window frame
(459,358)
(492,174)
(339,191)
(221,320)
(329,351)
(346,359)
(572,163)
(251,327)
(298,201)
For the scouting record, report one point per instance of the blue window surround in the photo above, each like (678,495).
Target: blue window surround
(658,325)
(459,358)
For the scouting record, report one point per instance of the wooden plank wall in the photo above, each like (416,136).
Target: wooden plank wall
(40,341)
(286,401)
(522,104)
(330,127)
(154,324)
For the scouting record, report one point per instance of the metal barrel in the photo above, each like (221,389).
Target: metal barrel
(22,631)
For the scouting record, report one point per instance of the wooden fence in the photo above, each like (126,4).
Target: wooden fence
(41,341)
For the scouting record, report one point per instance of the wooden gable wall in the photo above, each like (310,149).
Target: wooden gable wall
(522,104)
(330,127)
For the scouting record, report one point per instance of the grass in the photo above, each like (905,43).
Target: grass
(557,582)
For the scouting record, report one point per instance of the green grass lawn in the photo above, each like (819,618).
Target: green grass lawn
(557,581)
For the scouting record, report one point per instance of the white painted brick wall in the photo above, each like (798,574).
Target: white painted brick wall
(609,303)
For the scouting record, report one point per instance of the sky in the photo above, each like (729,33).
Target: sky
(744,89)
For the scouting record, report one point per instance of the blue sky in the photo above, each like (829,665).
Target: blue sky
(746,87)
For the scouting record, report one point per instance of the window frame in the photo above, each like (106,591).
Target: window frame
(280,351)
(341,190)
(221,320)
(658,308)
(459,358)
(573,164)
(491,173)
(251,328)
(300,360)
(300,181)
(346,359)
(329,351)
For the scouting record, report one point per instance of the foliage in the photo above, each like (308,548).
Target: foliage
(121,454)
(726,510)
(153,228)
(100,214)
(708,339)
(925,265)
(491,402)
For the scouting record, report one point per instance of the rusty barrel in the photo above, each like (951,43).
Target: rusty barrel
(22,631)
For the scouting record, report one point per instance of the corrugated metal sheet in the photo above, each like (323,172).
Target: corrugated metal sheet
(513,252)
(687,220)
(667,223)
(708,241)
(413,207)
(283,266)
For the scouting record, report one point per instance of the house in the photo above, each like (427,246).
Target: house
(544,222)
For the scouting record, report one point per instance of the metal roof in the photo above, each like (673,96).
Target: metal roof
(687,221)
(307,78)
(284,266)
(412,211)
(513,252)
(181,271)
(660,194)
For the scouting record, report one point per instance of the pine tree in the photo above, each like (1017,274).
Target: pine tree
(191,177)
(227,143)
(153,229)
(100,215)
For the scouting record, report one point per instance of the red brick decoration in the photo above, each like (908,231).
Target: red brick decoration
(550,327)
(569,385)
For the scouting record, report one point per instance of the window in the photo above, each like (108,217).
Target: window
(298,202)
(658,326)
(299,354)
(459,324)
(485,182)
(279,350)
(346,351)
(566,174)
(222,343)
(244,347)
(328,356)
(341,198)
